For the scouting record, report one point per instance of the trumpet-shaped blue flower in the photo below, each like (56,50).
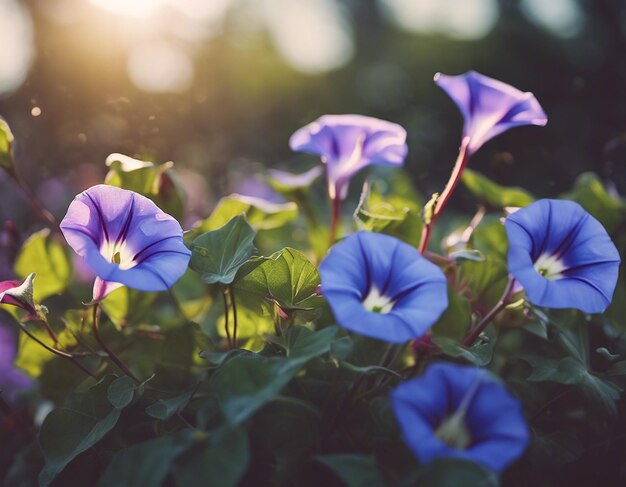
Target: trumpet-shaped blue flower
(12,379)
(489,107)
(562,256)
(383,288)
(348,143)
(125,239)
(462,412)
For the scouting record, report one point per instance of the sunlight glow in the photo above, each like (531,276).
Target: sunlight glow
(16,41)
(458,19)
(132,8)
(160,67)
(563,18)
(311,35)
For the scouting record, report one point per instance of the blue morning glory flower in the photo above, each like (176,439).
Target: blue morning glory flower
(460,411)
(12,379)
(562,256)
(125,239)
(383,288)
(489,107)
(348,143)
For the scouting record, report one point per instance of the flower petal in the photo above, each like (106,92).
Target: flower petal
(348,143)
(566,232)
(489,107)
(365,261)
(151,240)
(494,418)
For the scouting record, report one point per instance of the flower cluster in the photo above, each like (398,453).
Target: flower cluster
(423,313)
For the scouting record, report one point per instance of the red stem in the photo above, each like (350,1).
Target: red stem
(500,305)
(459,165)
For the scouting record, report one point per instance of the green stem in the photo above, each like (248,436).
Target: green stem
(334,220)
(226,313)
(114,358)
(233,303)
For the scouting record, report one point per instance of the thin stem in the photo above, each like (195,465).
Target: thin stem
(334,219)
(473,224)
(43,213)
(234,306)
(443,199)
(551,402)
(226,313)
(51,333)
(58,352)
(500,305)
(114,358)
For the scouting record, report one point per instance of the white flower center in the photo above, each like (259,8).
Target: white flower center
(550,267)
(119,254)
(377,303)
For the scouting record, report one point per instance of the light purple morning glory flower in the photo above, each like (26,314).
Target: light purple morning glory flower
(348,143)
(126,240)
(489,106)
(12,379)
(381,287)
(562,256)
(460,412)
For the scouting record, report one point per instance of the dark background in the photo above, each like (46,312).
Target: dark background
(245,100)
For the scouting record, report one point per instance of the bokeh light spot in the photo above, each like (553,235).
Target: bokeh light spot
(16,41)
(563,18)
(311,35)
(160,67)
(458,19)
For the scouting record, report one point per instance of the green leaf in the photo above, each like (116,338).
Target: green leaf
(246,382)
(480,353)
(166,408)
(555,449)
(218,255)
(355,470)
(303,344)
(121,392)
(571,371)
(6,146)
(155,181)
(46,257)
(146,464)
(375,213)
(454,472)
(126,306)
(221,460)
(367,370)
(593,197)
(456,320)
(493,194)
(390,213)
(66,433)
(485,280)
(286,276)
(467,254)
(275,426)
(261,214)
(618,368)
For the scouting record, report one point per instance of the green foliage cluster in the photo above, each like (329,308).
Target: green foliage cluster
(240,376)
